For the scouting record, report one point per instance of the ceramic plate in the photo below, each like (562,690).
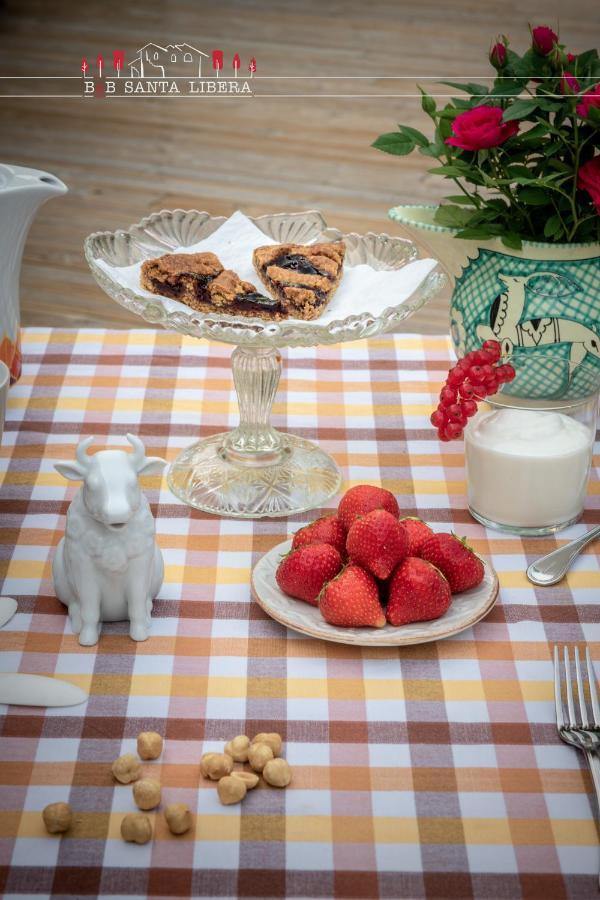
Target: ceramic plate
(466,609)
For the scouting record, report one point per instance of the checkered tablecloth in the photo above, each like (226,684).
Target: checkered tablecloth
(433,771)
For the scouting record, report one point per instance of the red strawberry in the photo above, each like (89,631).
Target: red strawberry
(418,592)
(455,560)
(377,542)
(363,498)
(352,600)
(302,573)
(326,530)
(418,533)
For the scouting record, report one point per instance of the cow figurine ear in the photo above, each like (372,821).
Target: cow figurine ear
(152,464)
(143,464)
(76,471)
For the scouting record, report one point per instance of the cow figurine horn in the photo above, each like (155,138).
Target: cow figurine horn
(140,461)
(81,453)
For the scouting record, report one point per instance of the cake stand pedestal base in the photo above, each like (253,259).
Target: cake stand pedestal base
(254,471)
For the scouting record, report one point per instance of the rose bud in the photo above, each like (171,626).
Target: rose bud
(498,54)
(569,84)
(543,39)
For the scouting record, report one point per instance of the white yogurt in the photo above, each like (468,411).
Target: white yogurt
(527,468)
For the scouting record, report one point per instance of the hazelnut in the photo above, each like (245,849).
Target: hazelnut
(57,817)
(126,768)
(231,790)
(259,755)
(149,745)
(237,748)
(179,818)
(146,793)
(277,772)
(137,828)
(272,740)
(250,779)
(216,765)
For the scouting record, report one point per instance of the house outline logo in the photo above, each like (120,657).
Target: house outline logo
(155,61)
(175,68)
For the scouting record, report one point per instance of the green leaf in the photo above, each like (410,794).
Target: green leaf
(394,142)
(455,171)
(534,134)
(552,227)
(593,116)
(462,199)
(469,87)
(452,216)
(479,232)
(510,239)
(534,196)
(520,109)
(415,136)
(427,103)
(507,87)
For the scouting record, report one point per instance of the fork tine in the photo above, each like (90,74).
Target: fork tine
(580,692)
(593,688)
(570,704)
(560,721)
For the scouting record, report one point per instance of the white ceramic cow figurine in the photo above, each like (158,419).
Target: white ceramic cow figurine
(108,566)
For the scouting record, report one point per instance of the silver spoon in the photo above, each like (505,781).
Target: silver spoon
(550,568)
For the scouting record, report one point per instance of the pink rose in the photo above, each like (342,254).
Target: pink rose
(498,55)
(589,180)
(480,128)
(543,39)
(589,99)
(569,84)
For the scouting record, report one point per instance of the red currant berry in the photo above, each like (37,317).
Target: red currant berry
(448,395)
(438,419)
(466,390)
(456,414)
(479,390)
(494,348)
(455,377)
(476,373)
(453,430)
(469,407)
(505,373)
(481,357)
(442,435)
(488,372)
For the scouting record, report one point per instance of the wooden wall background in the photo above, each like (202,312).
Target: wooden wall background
(125,158)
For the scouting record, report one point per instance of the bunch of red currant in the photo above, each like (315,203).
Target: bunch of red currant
(473,378)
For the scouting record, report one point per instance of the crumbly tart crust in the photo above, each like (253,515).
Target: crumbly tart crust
(304,277)
(200,281)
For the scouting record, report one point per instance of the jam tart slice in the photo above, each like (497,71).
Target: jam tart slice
(303,277)
(200,281)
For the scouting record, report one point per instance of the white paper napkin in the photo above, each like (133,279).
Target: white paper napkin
(362,289)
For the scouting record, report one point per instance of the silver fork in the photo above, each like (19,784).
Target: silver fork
(579,731)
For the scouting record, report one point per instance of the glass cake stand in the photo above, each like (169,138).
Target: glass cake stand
(254,470)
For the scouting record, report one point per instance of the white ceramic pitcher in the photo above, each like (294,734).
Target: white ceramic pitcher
(22,192)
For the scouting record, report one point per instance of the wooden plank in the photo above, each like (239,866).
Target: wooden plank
(123,159)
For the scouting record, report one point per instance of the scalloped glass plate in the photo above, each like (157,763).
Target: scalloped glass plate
(165,231)
(467,608)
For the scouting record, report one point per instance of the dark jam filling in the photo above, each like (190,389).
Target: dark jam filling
(200,286)
(254,300)
(168,288)
(298,263)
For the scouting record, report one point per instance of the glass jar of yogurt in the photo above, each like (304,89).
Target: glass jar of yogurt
(528,462)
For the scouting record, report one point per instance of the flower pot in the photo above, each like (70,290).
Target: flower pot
(542,303)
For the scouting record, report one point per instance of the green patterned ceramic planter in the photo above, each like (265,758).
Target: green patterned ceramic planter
(542,303)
